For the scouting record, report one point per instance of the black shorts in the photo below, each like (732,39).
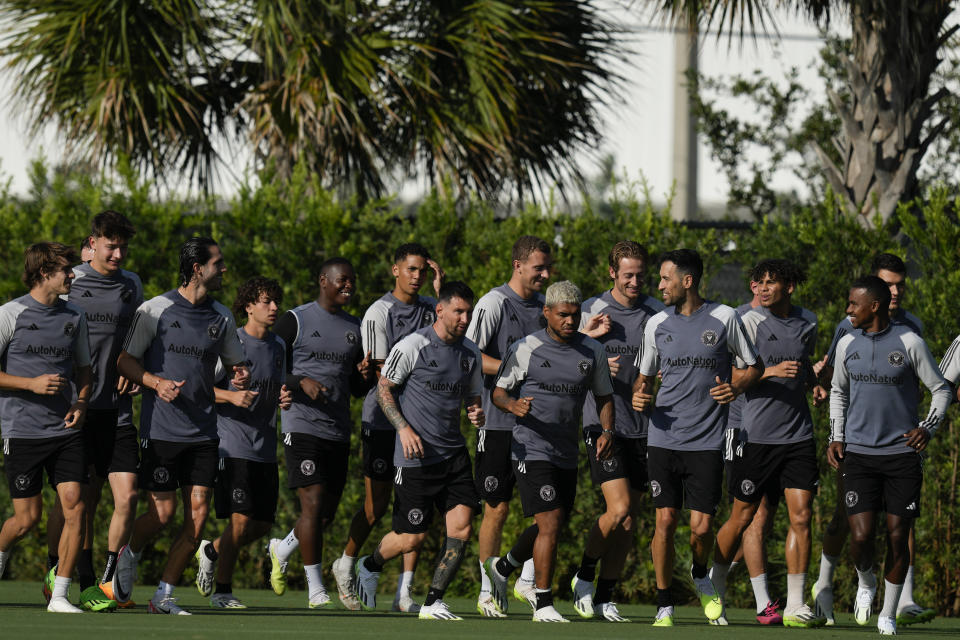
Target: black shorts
(544,487)
(311,461)
(691,478)
(888,483)
(168,466)
(378,447)
(110,448)
(24,460)
(768,469)
(247,487)
(443,485)
(629,460)
(493,472)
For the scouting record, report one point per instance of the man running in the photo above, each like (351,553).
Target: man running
(692,343)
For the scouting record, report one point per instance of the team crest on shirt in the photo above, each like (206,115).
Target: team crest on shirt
(465,364)
(126,295)
(548,493)
(654,488)
(896,358)
(747,487)
(69,328)
(352,338)
(213,331)
(709,338)
(239,495)
(585,366)
(308,467)
(379,465)
(490,484)
(415,516)
(851,499)
(22,482)
(610,465)
(161,475)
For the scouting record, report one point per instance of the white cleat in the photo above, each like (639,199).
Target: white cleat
(167,605)
(498,583)
(225,601)
(366,585)
(721,621)
(582,596)
(343,574)
(548,614)
(887,625)
(437,611)
(487,607)
(319,600)
(823,603)
(62,605)
(405,604)
(609,612)
(525,592)
(125,575)
(863,605)
(205,569)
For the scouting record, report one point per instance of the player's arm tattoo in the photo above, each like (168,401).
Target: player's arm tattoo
(388,402)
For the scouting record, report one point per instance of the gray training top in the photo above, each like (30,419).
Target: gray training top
(950,365)
(500,318)
(327,349)
(251,434)
(178,340)
(557,375)
(875,391)
(623,339)
(36,340)
(436,377)
(776,410)
(387,321)
(692,351)
(844,327)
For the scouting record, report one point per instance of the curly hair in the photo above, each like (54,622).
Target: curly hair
(255,288)
(780,270)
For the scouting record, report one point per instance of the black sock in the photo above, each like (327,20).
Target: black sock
(372,563)
(588,568)
(432,596)
(544,599)
(52,561)
(604,590)
(699,570)
(663,598)
(224,587)
(110,568)
(503,567)
(85,569)
(211,553)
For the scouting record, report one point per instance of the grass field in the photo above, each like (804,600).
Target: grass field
(22,615)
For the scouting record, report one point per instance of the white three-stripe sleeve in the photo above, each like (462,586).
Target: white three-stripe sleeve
(513,368)
(374,333)
(486,319)
(950,365)
(144,327)
(926,369)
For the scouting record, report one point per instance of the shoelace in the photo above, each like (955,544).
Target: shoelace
(771,609)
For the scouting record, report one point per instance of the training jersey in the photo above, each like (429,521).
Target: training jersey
(876,393)
(324,347)
(35,340)
(500,318)
(387,321)
(950,365)
(623,339)
(436,377)
(775,410)
(178,340)
(251,434)
(844,327)
(557,375)
(692,351)
(109,303)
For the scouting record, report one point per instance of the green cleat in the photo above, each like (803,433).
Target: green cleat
(914,613)
(94,599)
(46,585)
(664,617)
(709,599)
(803,618)
(278,569)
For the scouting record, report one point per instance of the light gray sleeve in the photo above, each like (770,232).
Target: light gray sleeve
(648,358)
(591,308)
(402,358)
(926,369)
(476,376)
(485,320)
(231,351)
(81,342)
(840,389)
(600,382)
(513,368)
(810,343)
(950,365)
(374,334)
(144,327)
(8,323)
(751,321)
(738,343)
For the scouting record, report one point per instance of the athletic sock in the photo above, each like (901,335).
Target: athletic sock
(85,573)
(604,591)
(432,596)
(664,599)
(906,595)
(61,586)
(287,546)
(211,553)
(891,598)
(164,590)
(506,565)
(718,576)
(110,567)
(349,559)
(544,598)
(485,586)
(314,574)
(795,590)
(371,564)
(698,570)
(404,582)
(867,579)
(588,568)
(52,561)
(224,587)
(760,592)
(828,564)
(527,574)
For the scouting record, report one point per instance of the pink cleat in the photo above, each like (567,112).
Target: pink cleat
(770,615)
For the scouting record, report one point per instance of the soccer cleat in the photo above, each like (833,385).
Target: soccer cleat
(548,614)
(403,603)
(525,592)
(94,599)
(823,603)
(107,588)
(62,605)
(497,583)
(487,608)
(887,626)
(167,605)
(721,621)
(278,568)
(914,613)
(225,601)
(366,585)
(437,611)
(770,615)
(343,574)
(664,617)
(205,569)
(863,605)
(46,585)
(609,612)
(124,576)
(803,617)
(320,600)
(582,596)
(709,600)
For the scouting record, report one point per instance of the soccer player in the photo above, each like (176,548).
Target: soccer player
(893,271)
(43,343)
(425,380)
(543,381)
(776,451)
(172,351)
(624,310)
(874,432)
(247,482)
(394,316)
(950,365)
(503,316)
(325,364)
(692,343)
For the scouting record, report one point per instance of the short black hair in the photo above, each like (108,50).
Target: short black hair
(455,289)
(887,262)
(333,262)
(196,250)
(410,249)
(526,245)
(688,262)
(112,225)
(876,289)
(251,291)
(781,270)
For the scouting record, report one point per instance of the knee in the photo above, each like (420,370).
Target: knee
(700,529)
(549,527)
(666,522)
(26,521)
(497,513)
(860,535)
(412,542)
(125,504)
(898,538)
(376,511)
(462,532)
(800,519)
(619,513)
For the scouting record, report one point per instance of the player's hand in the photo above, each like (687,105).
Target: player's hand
(241,376)
(410,443)
(168,390)
(835,454)
(820,364)
(521,407)
(48,384)
(438,275)
(642,400)
(286,398)
(820,395)
(367,367)
(314,390)
(604,445)
(475,415)
(134,390)
(785,369)
(598,325)
(917,438)
(243,398)
(614,364)
(723,393)
(76,414)
(123,385)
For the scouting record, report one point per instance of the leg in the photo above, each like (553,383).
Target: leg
(241,530)
(71,539)
(124,489)
(309,527)
(54,528)
(91,498)
(376,500)
(458,533)
(161,507)
(545,546)
(798,543)
(898,553)
(26,515)
(662,546)
(491,530)
(196,506)
(731,533)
